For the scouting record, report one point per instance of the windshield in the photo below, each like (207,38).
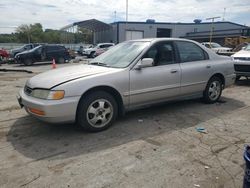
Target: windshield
(215,45)
(121,55)
(247,47)
(34,49)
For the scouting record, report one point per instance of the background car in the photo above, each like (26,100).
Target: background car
(242,62)
(99,51)
(216,47)
(43,53)
(25,47)
(131,75)
(90,52)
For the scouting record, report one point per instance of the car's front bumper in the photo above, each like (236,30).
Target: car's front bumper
(242,68)
(55,111)
(85,53)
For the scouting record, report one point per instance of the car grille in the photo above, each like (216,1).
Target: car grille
(242,58)
(242,68)
(27,90)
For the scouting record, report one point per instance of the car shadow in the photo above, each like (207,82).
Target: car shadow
(40,141)
(33,65)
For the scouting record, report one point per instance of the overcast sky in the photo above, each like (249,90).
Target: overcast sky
(55,14)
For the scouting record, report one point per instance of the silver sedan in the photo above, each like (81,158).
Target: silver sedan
(130,75)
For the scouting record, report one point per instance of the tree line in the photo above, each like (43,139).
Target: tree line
(34,33)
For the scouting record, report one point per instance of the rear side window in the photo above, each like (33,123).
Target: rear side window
(105,45)
(55,48)
(27,47)
(189,51)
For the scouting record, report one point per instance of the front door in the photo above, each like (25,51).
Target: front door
(159,82)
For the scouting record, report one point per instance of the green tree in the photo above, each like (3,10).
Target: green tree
(85,34)
(23,33)
(51,36)
(36,32)
(30,33)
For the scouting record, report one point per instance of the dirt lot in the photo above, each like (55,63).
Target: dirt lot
(162,149)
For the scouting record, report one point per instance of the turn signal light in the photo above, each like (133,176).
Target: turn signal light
(36,111)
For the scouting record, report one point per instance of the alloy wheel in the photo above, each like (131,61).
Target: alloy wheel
(99,113)
(214,90)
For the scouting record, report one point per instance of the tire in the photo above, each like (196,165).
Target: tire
(92,55)
(96,111)
(60,60)
(213,90)
(28,62)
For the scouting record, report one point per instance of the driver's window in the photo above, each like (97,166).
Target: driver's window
(162,53)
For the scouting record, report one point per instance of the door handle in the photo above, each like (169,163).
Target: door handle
(174,71)
(208,66)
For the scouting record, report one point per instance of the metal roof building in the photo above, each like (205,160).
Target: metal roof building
(120,31)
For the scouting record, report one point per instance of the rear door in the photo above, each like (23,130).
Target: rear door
(52,52)
(195,66)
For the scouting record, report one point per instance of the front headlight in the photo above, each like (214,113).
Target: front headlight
(47,94)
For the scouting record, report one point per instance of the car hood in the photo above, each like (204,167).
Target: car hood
(242,53)
(16,49)
(24,52)
(58,76)
(222,48)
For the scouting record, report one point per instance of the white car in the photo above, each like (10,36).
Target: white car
(217,48)
(242,62)
(90,52)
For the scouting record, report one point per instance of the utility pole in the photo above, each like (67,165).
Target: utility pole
(115,16)
(212,27)
(224,12)
(126,10)
(126,25)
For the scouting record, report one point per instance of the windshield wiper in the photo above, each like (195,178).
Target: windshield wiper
(99,64)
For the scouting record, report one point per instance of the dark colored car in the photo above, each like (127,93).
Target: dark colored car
(25,47)
(43,53)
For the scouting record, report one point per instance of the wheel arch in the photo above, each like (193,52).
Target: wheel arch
(110,90)
(219,75)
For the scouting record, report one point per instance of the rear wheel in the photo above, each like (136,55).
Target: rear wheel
(213,90)
(60,60)
(28,62)
(97,111)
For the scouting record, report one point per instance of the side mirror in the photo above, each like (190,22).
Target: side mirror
(145,62)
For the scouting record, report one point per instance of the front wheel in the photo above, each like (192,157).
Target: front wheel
(213,90)
(28,62)
(97,111)
(92,55)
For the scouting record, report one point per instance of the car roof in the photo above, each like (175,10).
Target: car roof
(209,43)
(161,39)
(104,43)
